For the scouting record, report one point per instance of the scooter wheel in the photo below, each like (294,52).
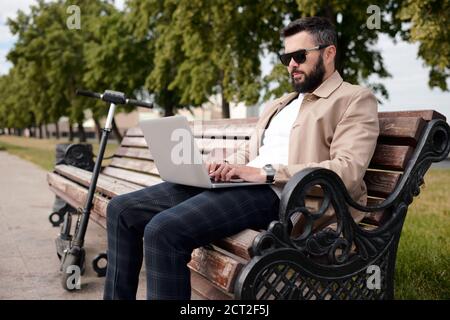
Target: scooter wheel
(98,268)
(56,218)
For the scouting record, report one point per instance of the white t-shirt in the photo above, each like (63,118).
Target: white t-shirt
(275,144)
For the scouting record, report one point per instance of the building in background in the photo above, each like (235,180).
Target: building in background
(208,111)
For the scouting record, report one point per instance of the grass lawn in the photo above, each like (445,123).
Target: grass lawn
(42,151)
(423,262)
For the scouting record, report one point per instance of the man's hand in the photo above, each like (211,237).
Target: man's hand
(226,171)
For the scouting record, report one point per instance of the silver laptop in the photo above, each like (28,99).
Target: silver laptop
(177,156)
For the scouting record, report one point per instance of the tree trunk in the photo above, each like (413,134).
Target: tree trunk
(70,132)
(168,111)
(225,107)
(81,132)
(47,133)
(40,132)
(116,131)
(57,130)
(19,132)
(98,129)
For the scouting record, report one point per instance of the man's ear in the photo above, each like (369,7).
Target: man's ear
(330,53)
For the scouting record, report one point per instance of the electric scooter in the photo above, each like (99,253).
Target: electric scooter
(69,247)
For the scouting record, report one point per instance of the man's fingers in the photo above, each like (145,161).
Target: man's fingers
(217,172)
(224,172)
(211,167)
(230,174)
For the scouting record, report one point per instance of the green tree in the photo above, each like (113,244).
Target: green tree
(203,48)
(51,57)
(16,110)
(115,60)
(428,20)
(150,22)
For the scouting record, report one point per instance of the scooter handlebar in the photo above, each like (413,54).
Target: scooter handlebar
(114,97)
(90,94)
(138,103)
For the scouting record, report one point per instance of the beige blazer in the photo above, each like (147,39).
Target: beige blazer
(336,128)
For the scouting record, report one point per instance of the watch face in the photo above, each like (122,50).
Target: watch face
(270,172)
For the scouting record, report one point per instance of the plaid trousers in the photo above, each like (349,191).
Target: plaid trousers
(164,223)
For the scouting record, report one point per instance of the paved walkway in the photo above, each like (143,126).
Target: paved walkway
(29,266)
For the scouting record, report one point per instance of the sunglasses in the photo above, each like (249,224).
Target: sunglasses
(299,56)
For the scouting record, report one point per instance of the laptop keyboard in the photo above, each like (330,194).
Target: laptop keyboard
(231,181)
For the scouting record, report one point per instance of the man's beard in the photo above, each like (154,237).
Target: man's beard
(311,81)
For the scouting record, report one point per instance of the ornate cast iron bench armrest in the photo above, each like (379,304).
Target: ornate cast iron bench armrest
(336,264)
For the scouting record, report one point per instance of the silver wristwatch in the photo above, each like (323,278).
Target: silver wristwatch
(270,173)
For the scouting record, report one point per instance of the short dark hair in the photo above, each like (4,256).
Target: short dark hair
(322,30)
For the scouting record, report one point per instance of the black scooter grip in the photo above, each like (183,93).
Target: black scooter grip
(139,103)
(90,94)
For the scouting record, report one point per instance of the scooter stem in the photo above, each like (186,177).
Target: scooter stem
(79,236)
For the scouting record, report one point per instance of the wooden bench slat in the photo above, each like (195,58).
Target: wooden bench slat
(205,145)
(239,244)
(144,166)
(380,183)
(229,132)
(237,122)
(425,114)
(233,126)
(374,218)
(225,133)
(134,142)
(401,130)
(136,153)
(220,269)
(391,157)
(205,289)
(144,180)
(106,185)
(75,194)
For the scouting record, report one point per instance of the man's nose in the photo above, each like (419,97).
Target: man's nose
(293,63)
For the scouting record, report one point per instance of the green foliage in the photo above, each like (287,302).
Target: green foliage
(49,58)
(429,27)
(182,52)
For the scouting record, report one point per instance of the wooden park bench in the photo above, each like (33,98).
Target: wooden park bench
(274,263)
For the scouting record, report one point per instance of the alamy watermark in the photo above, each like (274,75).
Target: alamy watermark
(374,20)
(74,19)
(374,280)
(185,149)
(74,280)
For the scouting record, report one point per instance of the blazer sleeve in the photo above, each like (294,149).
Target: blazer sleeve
(352,146)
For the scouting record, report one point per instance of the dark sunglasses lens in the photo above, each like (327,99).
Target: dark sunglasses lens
(298,57)
(285,59)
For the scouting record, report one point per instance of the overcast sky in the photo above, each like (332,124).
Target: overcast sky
(408,88)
